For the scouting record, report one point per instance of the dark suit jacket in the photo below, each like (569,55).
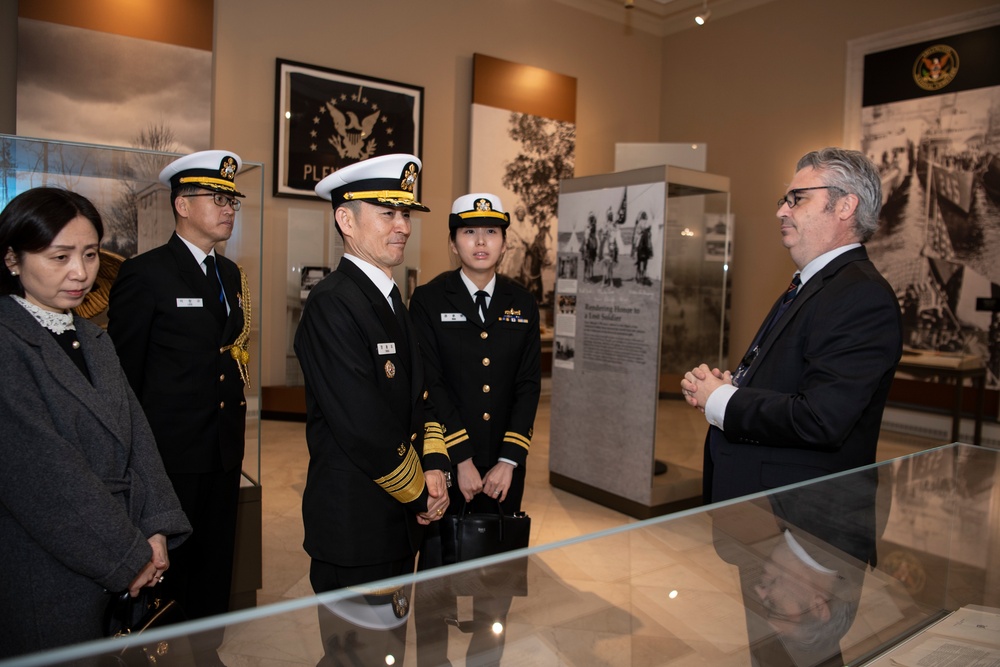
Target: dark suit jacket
(191,392)
(811,403)
(365,424)
(488,411)
(81,485)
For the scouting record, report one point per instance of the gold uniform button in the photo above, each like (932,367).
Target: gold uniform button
(486,416)
(401,450)
(221,350)
(486,389)
(484,335)
(413,437)
(486,361)
(222,377)
(425,394)
(222,404)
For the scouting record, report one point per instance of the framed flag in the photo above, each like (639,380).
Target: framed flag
(326,119)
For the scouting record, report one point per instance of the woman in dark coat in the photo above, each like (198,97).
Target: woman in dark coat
(480,339)
(85,506)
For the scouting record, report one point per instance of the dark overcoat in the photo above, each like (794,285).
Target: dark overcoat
(82,486)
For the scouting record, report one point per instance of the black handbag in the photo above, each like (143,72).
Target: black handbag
(467,536)
(128,617)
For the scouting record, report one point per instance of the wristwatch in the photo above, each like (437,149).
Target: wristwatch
(447,478)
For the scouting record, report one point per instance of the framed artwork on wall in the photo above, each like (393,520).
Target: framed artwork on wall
(326,119)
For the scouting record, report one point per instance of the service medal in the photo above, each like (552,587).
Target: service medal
(390,370)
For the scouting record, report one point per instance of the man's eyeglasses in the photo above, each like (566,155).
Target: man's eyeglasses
(221,200)
(792,197)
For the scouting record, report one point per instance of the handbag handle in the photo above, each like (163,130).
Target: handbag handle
(465,504)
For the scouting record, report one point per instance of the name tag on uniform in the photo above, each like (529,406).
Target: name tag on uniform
(386,348)
(189,303)
(453,317)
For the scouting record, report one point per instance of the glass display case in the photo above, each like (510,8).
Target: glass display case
(642,294)
(136,210)
(123,184)
(897,557)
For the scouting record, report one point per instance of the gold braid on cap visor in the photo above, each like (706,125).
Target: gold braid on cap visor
(483,214)
(205,180)
(388,195)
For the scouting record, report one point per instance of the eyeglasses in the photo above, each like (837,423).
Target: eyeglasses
(792,197)
(221,200)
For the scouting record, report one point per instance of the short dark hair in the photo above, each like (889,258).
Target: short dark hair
(181,191)
(33,219)
(851,172)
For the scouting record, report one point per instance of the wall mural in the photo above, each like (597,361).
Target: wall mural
(930,120)
(522,145)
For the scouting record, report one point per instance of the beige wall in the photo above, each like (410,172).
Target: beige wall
(761,89)
(430,44)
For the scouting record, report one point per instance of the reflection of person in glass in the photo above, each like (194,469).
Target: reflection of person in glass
(809,605)
(802,595)
(479,334)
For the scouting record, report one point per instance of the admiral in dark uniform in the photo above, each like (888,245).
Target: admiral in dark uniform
(375,478)
(480,339)
(176,316)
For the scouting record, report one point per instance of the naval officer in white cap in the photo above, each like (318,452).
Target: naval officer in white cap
(479,337)
(176,316)
(376,470)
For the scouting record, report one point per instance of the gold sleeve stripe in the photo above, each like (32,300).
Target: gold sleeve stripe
(517,439)
(434,439)
(456,438)
(406,482)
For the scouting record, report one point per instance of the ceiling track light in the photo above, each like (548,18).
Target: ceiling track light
(706,13)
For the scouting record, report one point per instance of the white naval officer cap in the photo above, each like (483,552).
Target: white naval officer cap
(211,170)
(479,209)
(386,180)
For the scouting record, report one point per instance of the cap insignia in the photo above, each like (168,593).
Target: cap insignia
(228,169)
(483,205)
(409,177)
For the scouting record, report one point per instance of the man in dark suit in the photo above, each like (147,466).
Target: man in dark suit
(375,477)
(176,316)
(807,398)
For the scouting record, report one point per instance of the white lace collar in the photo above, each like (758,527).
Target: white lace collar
(57,323)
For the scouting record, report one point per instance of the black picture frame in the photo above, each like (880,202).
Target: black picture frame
(326,119)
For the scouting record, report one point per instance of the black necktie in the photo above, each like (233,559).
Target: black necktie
(786,300)
(215,287)
(481,304)
(397,306)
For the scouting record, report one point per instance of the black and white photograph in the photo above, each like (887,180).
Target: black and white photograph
(936,143)
(521,158)
(326,119)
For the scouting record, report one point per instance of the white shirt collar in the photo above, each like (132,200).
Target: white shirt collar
(471,286)
(198,253)
(383,282)
(815,266)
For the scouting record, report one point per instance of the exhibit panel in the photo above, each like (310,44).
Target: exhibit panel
(641,297)
(136,211)
(899,556)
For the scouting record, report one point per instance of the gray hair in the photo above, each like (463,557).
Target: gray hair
(853,173)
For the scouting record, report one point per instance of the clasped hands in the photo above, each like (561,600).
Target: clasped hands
(699,383)
(437,497)
(152,572)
